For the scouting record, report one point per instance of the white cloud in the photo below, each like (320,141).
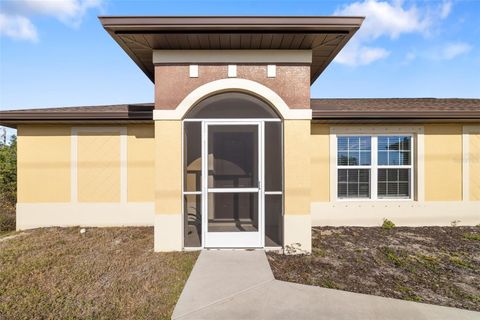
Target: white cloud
(16,16)
(385,19)
(452,50)
(17,27)
(445,9)
(356,55)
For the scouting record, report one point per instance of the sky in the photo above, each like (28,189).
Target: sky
(56,53)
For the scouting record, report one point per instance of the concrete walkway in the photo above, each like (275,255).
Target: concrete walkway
(240,285)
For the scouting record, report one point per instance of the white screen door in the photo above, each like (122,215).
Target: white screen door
(232,194)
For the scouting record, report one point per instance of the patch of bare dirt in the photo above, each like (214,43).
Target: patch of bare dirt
(437,265)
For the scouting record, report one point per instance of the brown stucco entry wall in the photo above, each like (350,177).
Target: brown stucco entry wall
(173,83)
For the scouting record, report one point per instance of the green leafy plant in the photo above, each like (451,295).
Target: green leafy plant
(472,236)
(8,185)
(459,262)
(387,224)
(393,257)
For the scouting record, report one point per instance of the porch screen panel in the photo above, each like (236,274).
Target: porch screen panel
(273,184)
(192,182)
(192,223)
(192,177)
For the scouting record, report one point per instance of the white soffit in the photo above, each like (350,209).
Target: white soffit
(232,56)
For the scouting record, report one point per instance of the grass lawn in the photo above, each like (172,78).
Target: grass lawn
(437,265)
(106,273)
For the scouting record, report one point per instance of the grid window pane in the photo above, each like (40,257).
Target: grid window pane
(365,157)
(393,166)
(353,183)
(342,159)
(354,150)
(393,183)
(354,158)
(394,150)
(342,144)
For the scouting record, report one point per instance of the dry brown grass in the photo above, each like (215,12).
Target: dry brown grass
(106,273)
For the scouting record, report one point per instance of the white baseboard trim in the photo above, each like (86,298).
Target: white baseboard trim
(36,215)
(413,214)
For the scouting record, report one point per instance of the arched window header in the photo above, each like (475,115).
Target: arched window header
(231,105)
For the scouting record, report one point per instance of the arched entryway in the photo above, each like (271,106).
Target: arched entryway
(233,173)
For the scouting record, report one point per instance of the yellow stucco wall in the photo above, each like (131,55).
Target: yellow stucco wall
(297,141)
(320,159)
(443,162)
(44,167)
(168,163)
(474,165)
(43,163)
(98,166)
(141,163)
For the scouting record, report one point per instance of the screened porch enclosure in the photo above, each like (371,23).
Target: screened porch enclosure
(233,173)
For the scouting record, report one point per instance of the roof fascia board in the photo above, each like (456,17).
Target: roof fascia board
(221,22)
(232,56)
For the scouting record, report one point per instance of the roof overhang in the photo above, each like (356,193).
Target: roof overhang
(108,114)
(140,36)
(398,111)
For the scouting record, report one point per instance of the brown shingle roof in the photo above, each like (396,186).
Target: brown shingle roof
(323,109)
(143,111)
(407,108)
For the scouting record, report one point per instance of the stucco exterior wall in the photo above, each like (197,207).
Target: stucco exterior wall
(443,162)
(64,181)
(43,162)
(98,167)
(168,186)
(297,146)
(141,163)
(474,164)
(320,163)
(173,83)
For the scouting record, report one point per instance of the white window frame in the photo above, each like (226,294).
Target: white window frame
(410,166)
(338,167)
(416,162)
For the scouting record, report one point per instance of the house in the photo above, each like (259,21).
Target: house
(234,153)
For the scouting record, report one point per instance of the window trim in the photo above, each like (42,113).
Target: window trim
(416,166)
(359,167)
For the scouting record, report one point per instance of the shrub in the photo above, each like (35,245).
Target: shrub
(387,224)
(8,185)
(7,222)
